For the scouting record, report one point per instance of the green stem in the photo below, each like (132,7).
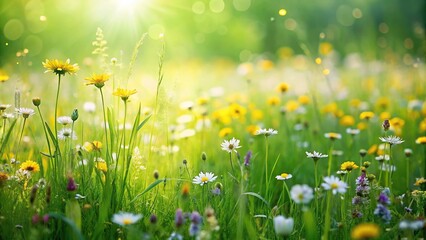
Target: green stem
(327,217)
(330,158)
(266,165)
(20,138)
(105,128)
(408,172)
(56,106)
(4,130)
(230,160)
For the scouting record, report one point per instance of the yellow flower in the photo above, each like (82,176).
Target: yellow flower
(252,129)
(420,181)
(422,125)
(304,100)
(256,114)
(330,108)
(348,166)
(3,178)
(385,115)
(30,166)
(366,115)
(266,64)
(361,126)
(355,102)
(421,140)
(102,166)
(291,106)
(236,110)
(59,67)
(202,101)
(383,102)
(3,76)
(365,231)
(325,48)
(225,132)
(282,87)
(124,94)
(273,101)
(347,121)
(373,149)
(97,79)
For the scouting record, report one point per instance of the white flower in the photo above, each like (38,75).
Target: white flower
(387,167)
(230,145)
(202,178)
(64,120)
(65,133)
(392,140)
(89,107)
(333,135)
(302,193)
(284,176)
(125,218)
(283,226)
(381,158)
(187,105)
(266,132)
(413,225)
(4,106)
(7,116)
(186,133)
(334,184)
(316,155)
(25,112)
(352,131)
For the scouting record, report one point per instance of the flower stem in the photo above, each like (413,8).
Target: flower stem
(230,160)
(56,106)
(266,165)
(105,127)
(330,159)
(327,217)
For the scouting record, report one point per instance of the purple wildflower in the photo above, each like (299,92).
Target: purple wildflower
(179,219)
(247,158)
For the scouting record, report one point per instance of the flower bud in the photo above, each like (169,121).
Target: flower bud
(74,115)
(283,226)
(36,101)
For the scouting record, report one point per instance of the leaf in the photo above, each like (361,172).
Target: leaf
(151,186)
(6,138)
(73,212)
(143,122)
(257,196)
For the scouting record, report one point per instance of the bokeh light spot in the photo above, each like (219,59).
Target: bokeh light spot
(13,29)
(34,43)
(198,7)
(43,18)
(156,31)
(217,6)
(241,5)
(357,13)
(282,12)
(290,24)
(344,15)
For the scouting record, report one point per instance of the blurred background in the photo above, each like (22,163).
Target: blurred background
(236,30)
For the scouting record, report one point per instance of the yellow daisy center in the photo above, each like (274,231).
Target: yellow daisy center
(127,221)
(204,179)
(284,175)
(334,186)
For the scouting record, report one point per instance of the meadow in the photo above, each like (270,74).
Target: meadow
(308,144)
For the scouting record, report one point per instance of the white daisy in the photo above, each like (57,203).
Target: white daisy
(352,131)
(302,193)
(89,107)
(283,226)
(66,133)
(64,120)
(202,178)
(333,136)
(230,145)
(392,140)
(7,115)
(316,155)
(25,112)
(266,132)
(284,176)
(334,184)
(4,106)
(125,218)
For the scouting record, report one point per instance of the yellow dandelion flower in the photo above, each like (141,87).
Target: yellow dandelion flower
(282,87)
(365,231)
(256,114)
(333,136)
(236,110)
(292,106)
(266,64)
(225,132)
(383,102)
(385,115)
(373,149)
(202,101)
(88,147)
(421,140)
(304,100)
(273,101)
(97,79)
(397,122)
(330,108)
(348,166)
(361,126)
(102,166)
(347,121)
(252,129)
(3,76)
(366,115)
(30,166)
(59,67)
(124,94)
(355,102)
(97,145)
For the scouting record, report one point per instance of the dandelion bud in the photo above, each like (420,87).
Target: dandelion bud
(283,226)
(74,115)
(71,186)
(386,125)
(36,101)
(362,152)
(203,156)
(184,162)
(156,175)
(408,152)
(366,164)
(153,219)
(33,194)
